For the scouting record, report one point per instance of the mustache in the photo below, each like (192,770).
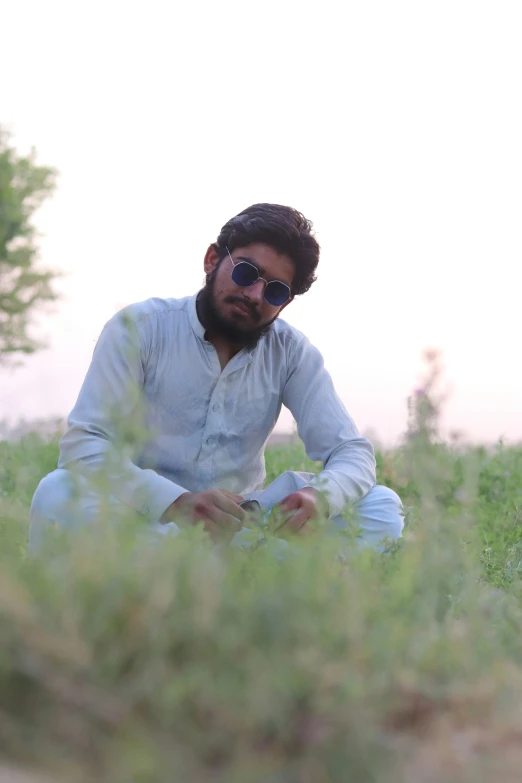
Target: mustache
(252,309)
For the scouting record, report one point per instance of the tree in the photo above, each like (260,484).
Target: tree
(23,286)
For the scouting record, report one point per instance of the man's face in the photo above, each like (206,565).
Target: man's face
(241,314)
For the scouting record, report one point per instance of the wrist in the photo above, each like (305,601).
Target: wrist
(174,508)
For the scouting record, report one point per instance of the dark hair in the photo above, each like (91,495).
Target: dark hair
(283,228)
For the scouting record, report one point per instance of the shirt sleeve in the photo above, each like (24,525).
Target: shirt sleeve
(108,417)
(327,431)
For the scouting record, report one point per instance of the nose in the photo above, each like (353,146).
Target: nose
(255,292)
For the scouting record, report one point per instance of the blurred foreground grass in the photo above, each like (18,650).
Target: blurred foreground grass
(126,662)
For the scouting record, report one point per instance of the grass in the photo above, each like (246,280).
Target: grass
(122,662)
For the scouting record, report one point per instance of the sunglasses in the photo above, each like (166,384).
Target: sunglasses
(245,274)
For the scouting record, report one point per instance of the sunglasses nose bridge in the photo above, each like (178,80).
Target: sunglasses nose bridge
(256,290)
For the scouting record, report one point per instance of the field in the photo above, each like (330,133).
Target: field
(122,662)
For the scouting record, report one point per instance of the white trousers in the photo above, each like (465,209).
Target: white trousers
(67,502)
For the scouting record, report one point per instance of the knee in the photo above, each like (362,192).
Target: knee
(48,507)
(51,496)
(386,496)
(383,508)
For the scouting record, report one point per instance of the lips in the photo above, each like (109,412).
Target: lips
(241,308)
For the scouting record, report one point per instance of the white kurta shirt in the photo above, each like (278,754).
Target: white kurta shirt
(204,427)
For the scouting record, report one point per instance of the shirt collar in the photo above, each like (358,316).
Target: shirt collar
(197,326)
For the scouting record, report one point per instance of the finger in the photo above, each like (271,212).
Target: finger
(215,519)
(296,521)
(203,518)
(283,519)
(288,508)
(290,503)
(225,521)
(212,528)
(229,506)
(232,495)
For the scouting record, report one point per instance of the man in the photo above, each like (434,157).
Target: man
(205,376)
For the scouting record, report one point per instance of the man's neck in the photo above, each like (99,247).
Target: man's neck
(224,349)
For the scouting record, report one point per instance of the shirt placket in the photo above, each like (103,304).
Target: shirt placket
(216,409)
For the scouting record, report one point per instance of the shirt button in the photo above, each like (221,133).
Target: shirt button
(215,407)
(209,441)
(145,510)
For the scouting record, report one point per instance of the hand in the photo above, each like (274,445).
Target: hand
(301,507)
(218,509)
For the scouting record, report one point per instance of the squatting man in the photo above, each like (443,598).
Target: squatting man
(207,375)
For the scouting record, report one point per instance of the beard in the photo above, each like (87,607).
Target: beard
(228,329)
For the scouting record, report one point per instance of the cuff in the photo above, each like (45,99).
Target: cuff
(159,495)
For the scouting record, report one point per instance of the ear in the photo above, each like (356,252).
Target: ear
(211,259)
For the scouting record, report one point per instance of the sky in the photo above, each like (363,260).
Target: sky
(395,127)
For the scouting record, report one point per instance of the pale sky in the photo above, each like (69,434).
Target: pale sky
(396,127)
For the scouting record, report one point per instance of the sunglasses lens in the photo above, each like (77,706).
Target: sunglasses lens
(277,293)
(244,274)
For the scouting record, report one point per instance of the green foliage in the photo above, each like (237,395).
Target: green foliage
(122,660)
(22,465)
(23,287)
(288,457)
